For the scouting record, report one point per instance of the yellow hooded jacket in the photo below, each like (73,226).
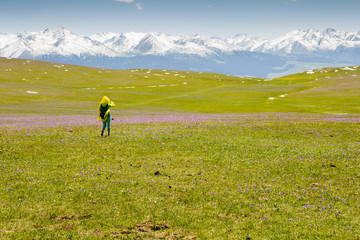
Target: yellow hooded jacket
(105,101)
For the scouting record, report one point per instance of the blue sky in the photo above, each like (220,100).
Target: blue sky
(263,18)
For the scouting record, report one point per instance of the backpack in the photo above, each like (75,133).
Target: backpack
(103,110)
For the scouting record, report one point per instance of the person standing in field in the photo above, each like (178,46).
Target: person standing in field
(104,113)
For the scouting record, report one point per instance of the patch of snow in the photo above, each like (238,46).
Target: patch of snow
(32,92)
(185,83)
(271,98)
(282,96)
(347,69)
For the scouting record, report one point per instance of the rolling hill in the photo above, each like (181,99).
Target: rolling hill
(37,87)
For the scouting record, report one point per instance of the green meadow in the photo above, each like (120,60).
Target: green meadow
(191,155)
(64,89)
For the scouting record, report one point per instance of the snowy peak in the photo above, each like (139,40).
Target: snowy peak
(151,43)
(60,32)
(305,42)
(59,41)
(104,37)
(244,42)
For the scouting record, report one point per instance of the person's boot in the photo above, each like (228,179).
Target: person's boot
(102,132)
(108,133)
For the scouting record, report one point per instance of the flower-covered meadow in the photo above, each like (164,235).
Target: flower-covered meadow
(185,176)
(192,155)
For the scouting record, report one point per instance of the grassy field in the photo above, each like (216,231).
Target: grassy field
(191,156)
(48,88)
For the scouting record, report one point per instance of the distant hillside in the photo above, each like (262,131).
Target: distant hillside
(242,55)
(50,88)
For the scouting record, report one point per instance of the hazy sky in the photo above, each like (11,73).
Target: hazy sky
(263,18)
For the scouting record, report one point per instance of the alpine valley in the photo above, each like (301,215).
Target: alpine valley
(242,54)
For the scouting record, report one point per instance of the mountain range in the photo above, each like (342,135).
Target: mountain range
(242,54)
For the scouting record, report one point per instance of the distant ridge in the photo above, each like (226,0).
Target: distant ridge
(240,55)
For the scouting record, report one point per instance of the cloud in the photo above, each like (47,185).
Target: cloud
(138,6)
(125,1)
(290,2)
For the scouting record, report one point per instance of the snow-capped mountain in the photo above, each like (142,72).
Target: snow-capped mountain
(183,51)
(51,42)
(305,42)
(63,42)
